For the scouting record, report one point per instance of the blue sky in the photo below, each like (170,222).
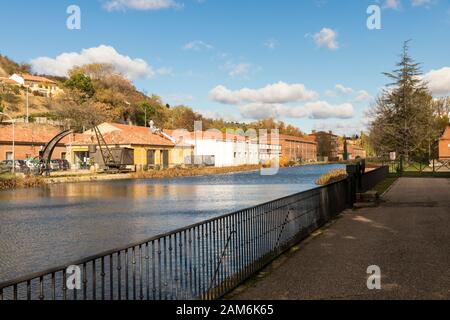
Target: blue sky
(311,63)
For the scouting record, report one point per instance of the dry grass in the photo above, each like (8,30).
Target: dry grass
(332,176)
(14,182)
(191,172)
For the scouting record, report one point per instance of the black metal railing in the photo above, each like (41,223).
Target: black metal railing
(371,178)
(427,166)
(203,261)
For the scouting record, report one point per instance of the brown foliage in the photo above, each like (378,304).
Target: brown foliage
(332,176)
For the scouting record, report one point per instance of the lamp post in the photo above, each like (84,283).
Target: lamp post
(13,140)
(28,87)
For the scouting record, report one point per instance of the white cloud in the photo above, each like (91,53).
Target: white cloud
(327,38)
(227,116)
(277,101)
(418,3)
(197,45)
(392,4)
(344,90)
(397,4)
(121,5)
(178,99)
(238,70)
(280,92)
(324,110)
(224,95)
(129,67)
(438,81)
(341,90)
(363,95)
(271,44)
(341,128)
(312,110)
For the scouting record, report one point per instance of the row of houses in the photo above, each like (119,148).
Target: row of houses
(150,147)
(41,85)
(331,147)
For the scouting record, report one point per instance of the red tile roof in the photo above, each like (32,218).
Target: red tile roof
(125,135)
(29,77)
(32,134)
(180,135)
(298,139)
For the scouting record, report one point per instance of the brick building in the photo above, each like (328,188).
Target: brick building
(354,150)
(327,145)
(444,145)
(298,148)
(29,140)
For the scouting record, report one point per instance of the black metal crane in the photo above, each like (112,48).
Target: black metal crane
(112,164)
(46,154)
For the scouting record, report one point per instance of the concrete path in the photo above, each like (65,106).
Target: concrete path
(408,237)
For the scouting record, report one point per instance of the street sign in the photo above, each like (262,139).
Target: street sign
(392,156)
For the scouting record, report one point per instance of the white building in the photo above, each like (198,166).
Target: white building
(43,86)
(226,150)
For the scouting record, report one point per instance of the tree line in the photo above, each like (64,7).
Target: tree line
(96,93)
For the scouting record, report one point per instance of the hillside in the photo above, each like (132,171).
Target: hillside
(98,91)
(8,67)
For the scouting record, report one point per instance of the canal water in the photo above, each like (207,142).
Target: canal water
(51,226)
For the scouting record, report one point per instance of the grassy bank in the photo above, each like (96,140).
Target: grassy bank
(9,181)
(191,172)
(332,176)
(384,185)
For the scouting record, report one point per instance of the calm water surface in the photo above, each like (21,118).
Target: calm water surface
(51,226)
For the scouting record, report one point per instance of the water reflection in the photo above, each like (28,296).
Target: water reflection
(46,227)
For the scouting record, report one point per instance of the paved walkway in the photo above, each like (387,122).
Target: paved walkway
(408,237)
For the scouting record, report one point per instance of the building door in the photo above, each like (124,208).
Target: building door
(165,158)
(150,158)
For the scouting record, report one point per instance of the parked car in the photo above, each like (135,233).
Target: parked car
(4,167)
(63,164)
(19,166)
(55,165)
(32,163)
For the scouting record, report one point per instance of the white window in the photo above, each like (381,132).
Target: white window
(9,155)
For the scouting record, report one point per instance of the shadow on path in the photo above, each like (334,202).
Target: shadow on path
(407,236)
